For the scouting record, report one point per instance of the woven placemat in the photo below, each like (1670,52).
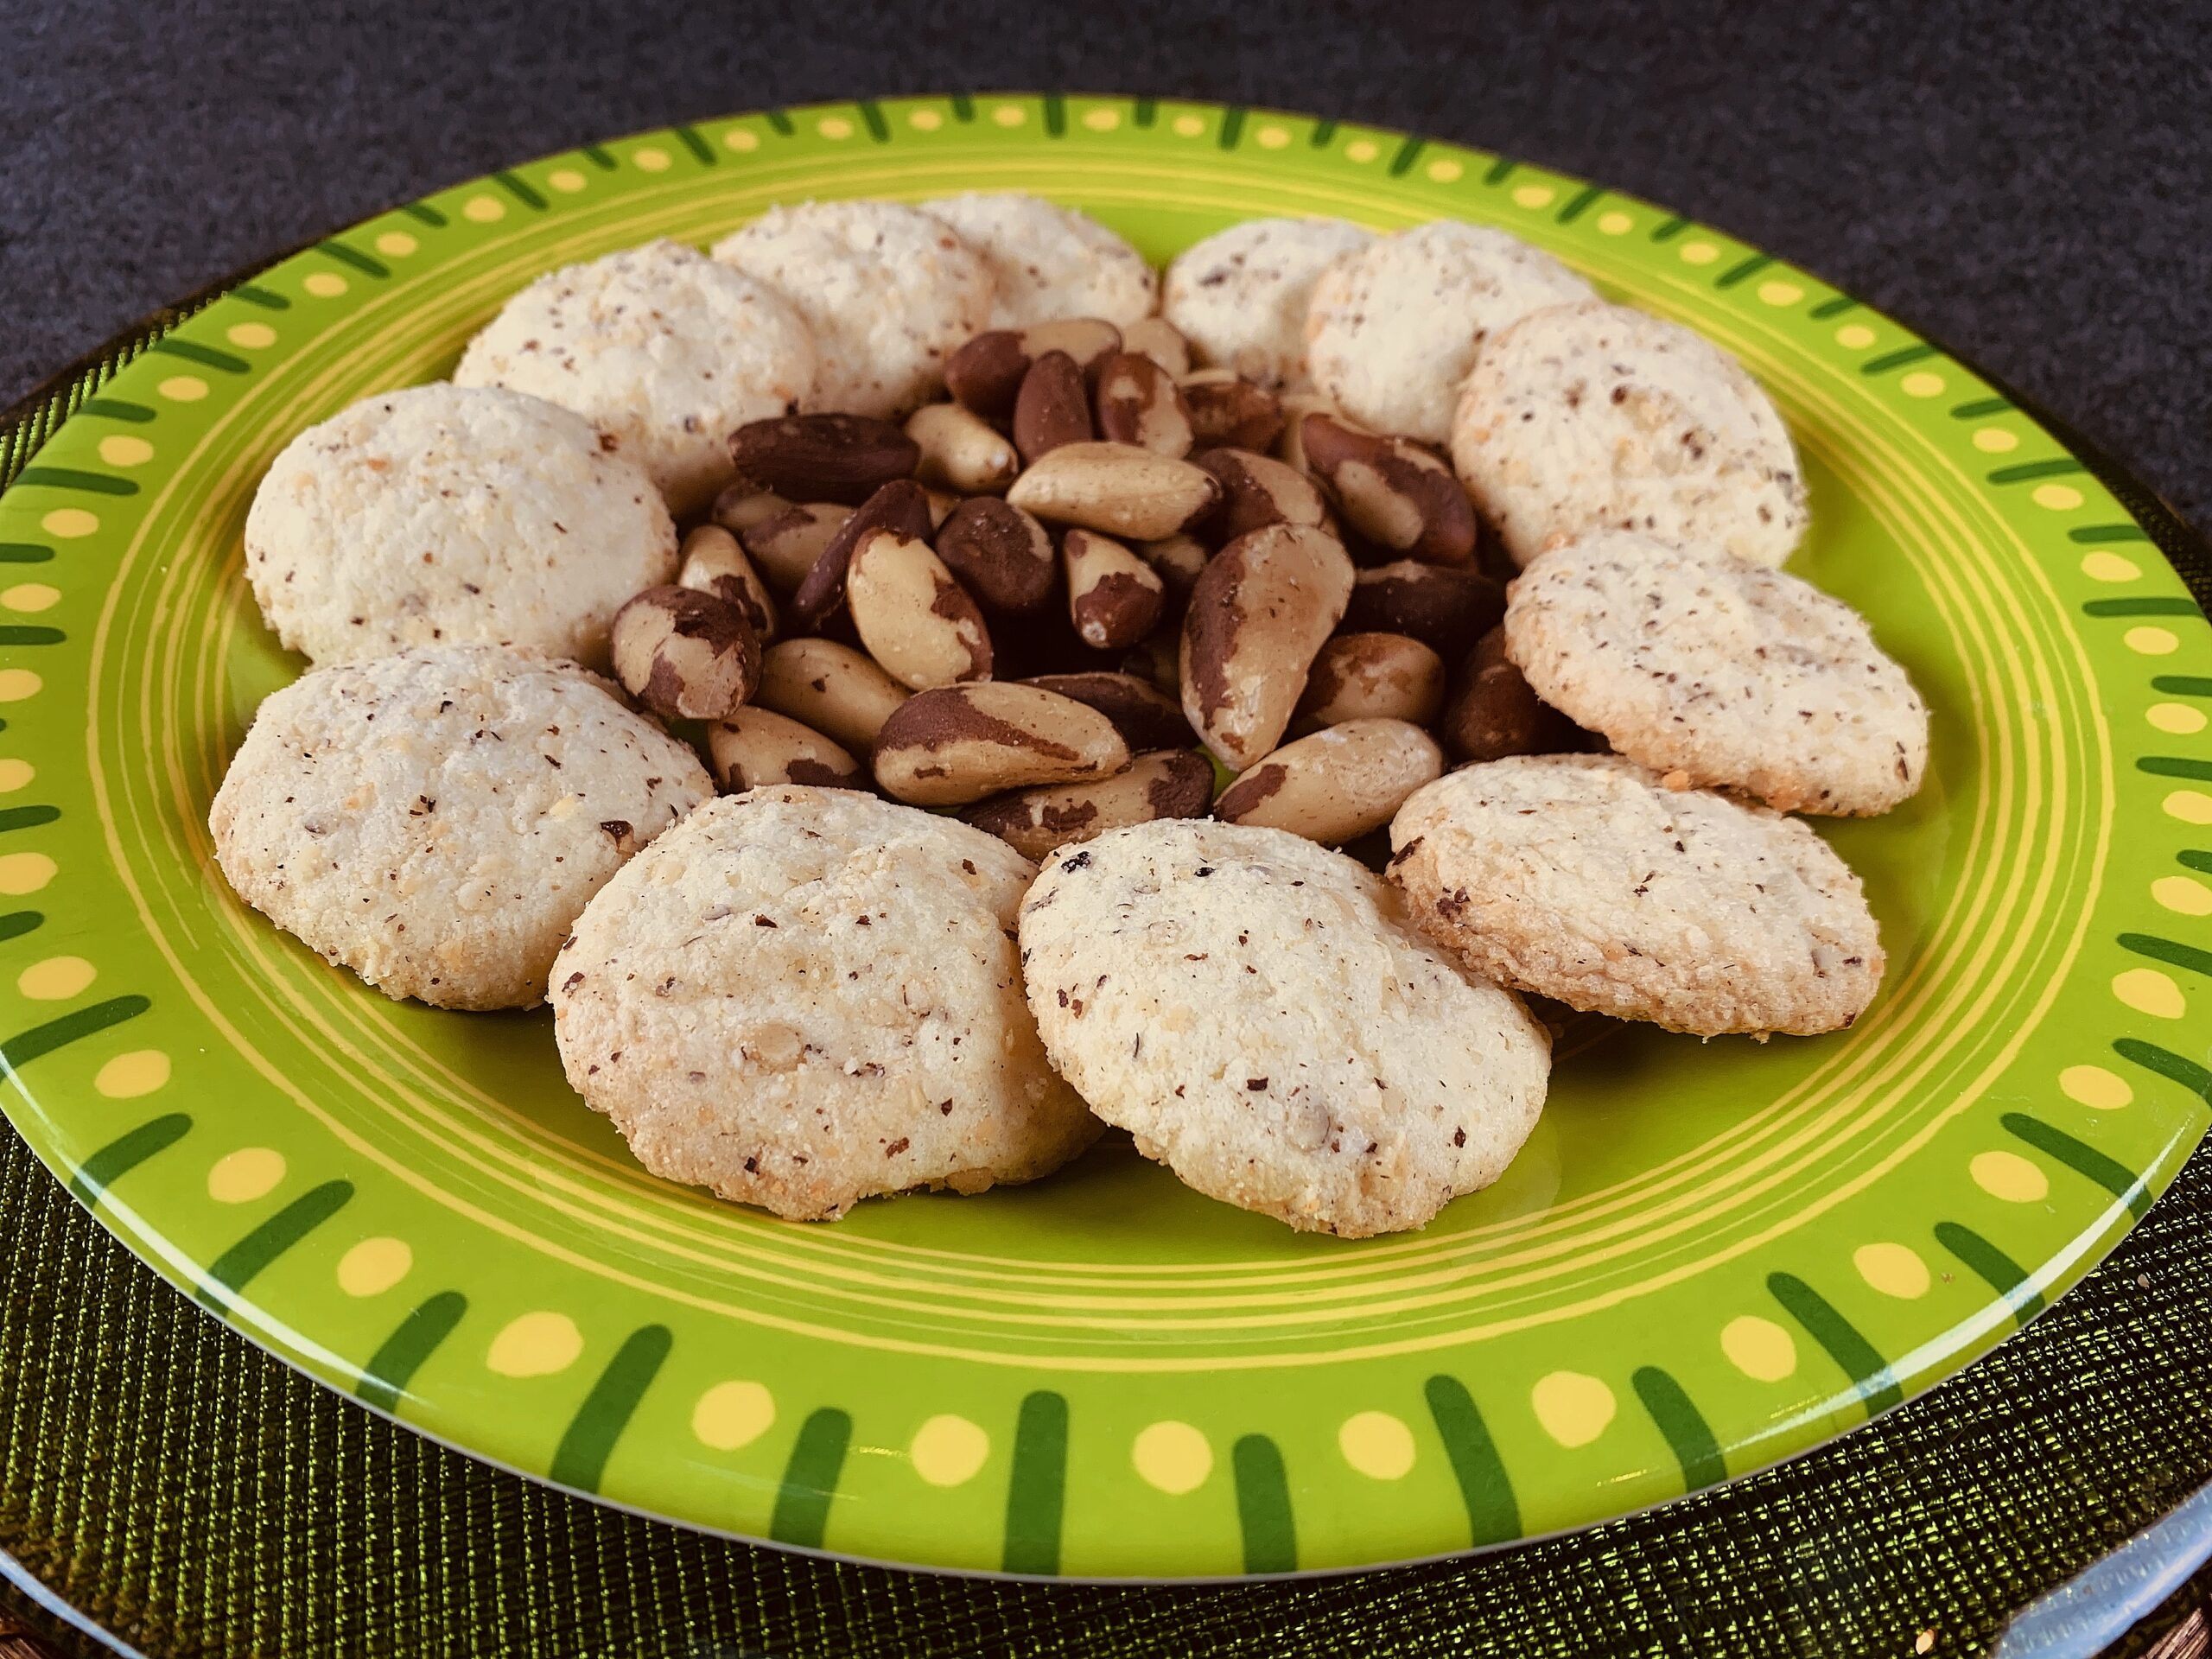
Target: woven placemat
(182,1490)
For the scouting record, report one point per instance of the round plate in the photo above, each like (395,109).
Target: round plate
(1709,1256)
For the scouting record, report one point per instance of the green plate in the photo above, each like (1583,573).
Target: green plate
(1710,1256)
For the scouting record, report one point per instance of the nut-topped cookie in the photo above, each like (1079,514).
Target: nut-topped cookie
(1716,672)
(1584,879)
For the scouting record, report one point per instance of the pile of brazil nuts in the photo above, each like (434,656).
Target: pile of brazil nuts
(1091,587)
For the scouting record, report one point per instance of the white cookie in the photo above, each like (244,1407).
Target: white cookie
(1581,877)
(805,997)
(1596,417)
(435,820)
(445,513)
(889,291)
(664,350)
(1251,1007)
(1719,673)
(1393,329)
(1241,296)
(1049,260)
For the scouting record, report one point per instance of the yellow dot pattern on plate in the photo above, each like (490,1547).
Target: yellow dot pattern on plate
(324,284)
(1272,137)
(949,1450)
(1362,150)
(924,121)
(534,1345)
(1615,224)
(2189,805)
(183,389)
(1698,253)
(31,597)
(652,159)
(56,979)
(23,873)
(70,524)
(1854,336)
(17,684)
(2008,1176)
(2056,498)
(1573,1408)
(254,335)
(1189,126)
(1533,196)
(484,210)
(1893,1270)
(2184,895)
(1758,1347)
(1013,115)
(1101,120)
(734,1413)
(129,1076)
(1996,441)
(374,1266)
(1173,1456)
(121,449)
(1922,384)
(2177,718)
(241,1177)
(1780,293)
(396,244)
(2147,990)
(2092,1085)
(746,138)
(15,773)
(829,126)
(566,180)
(2101,566)
(1376,1444)
(2149,641)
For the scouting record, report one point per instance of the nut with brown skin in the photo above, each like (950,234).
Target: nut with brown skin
(1494,712)
(838,690)
(1446,607)
(685,655)
(1114,597)
(844,458)
(901,507)
(1051,409)
(1336,784)
(1180,560)
(1264,607)
(753,748)
(1394,494)
(1160,340)
(961,451)
(985,375)
(1137,403)
(1371,676)
(960,743)
(1290,448)
(1257,491)
(785,545)
(1171,784)
(1117,489)
(917,623)
(1158,661)
(713,563)
(743,504)
(1227,410)
(1145,717)
(1000,555)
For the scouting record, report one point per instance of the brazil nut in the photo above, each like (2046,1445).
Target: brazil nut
(1257,490)
(1116,488)
(1263,609)
(743,504)
(1290,447)
(785,544)
(919,624)
(1227,409)
(1114,597)
(1394,494)
(1178,559)
(1170,784)
(1137,403)
(1145,717)
(1371,676)
(1494,712)
(960,451)
(985,375)
(685,654)
(1446,607)
(1336,784)
(900,506)
(1052,407)
(754,748)
(839,692)
(1160,340)
(714,562)
(1000,555)
(957,744)
(822,457)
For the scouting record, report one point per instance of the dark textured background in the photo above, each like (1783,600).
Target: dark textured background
(2031,184)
